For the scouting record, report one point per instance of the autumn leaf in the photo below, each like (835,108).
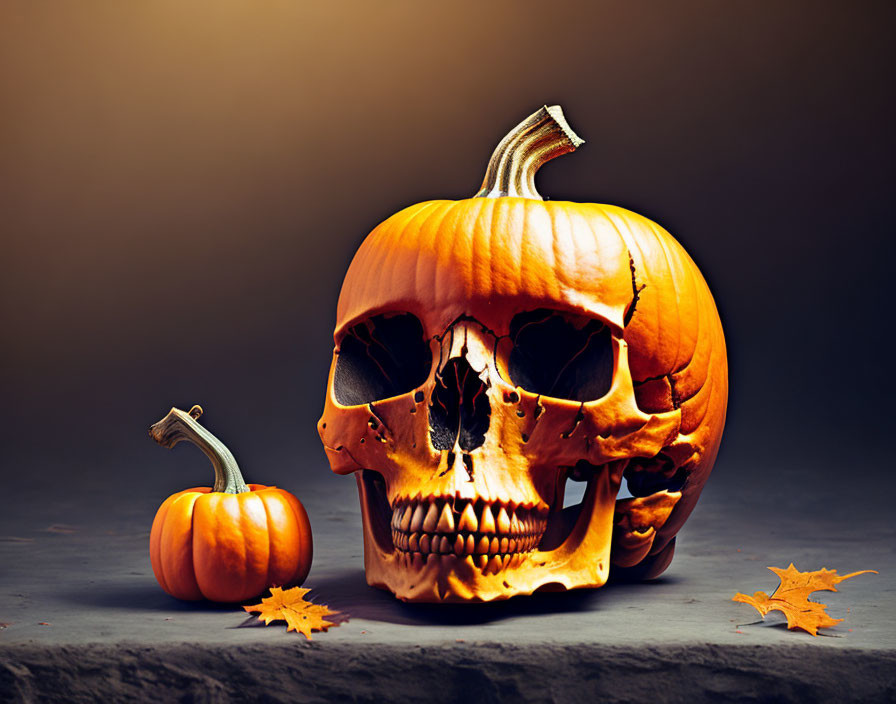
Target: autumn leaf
(290,606)
(792,597)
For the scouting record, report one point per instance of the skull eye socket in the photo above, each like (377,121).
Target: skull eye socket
(561,355)
(382,357)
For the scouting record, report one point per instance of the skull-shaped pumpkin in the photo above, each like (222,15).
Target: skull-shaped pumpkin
(490,349)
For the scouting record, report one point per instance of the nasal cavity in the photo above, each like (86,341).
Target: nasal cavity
(459,412)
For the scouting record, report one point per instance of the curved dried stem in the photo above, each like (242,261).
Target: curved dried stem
(542,136)
(182,425)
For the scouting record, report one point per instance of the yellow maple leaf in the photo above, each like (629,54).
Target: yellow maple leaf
(792,597)
(290,606)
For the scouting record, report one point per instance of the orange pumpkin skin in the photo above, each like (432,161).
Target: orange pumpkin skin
(229,547)
(442,260)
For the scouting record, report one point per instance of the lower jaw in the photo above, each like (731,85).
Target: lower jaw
(487,564)
(581,560)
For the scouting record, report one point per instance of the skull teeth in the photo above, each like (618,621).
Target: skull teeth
(489,564)
(489,533)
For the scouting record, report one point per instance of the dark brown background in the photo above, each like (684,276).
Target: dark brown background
(183,186)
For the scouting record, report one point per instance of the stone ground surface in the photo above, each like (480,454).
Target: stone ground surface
(83,618)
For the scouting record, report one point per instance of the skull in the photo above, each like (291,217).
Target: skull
(489,350)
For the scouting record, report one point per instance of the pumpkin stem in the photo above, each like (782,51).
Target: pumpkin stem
(179,425)
(539,138)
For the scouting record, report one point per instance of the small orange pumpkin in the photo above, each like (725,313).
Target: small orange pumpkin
(231,542)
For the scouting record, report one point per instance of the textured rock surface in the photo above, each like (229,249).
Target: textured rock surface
(83,568)
(471,673)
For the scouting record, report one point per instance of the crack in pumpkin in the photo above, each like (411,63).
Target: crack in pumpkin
(636,292)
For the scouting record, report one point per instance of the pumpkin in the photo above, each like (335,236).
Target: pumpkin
(227,543)
(491,349)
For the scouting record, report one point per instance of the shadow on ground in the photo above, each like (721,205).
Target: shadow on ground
(349,592)
(142,596)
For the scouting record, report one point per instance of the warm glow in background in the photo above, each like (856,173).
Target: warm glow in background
(184,183)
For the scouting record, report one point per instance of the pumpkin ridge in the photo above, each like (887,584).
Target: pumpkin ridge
(256,538)
(270,539)
(446,208)
(698,324)
(576,221)
(481,267)
(285,504)
(530,251)
(502,275)
(668,359)
(454,242)
(194,538)
(246,549)
(155,541)
(675,268)
(686,368)
(698,403)
(185,567)
(367,268)
(627,242)
(704,351)
(554,264)
(384,266)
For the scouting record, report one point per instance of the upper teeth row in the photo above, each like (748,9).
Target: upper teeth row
(442,517)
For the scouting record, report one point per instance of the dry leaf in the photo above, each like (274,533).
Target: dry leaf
(792,597)
(290,606)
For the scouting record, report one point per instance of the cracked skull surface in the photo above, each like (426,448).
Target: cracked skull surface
(489,351)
